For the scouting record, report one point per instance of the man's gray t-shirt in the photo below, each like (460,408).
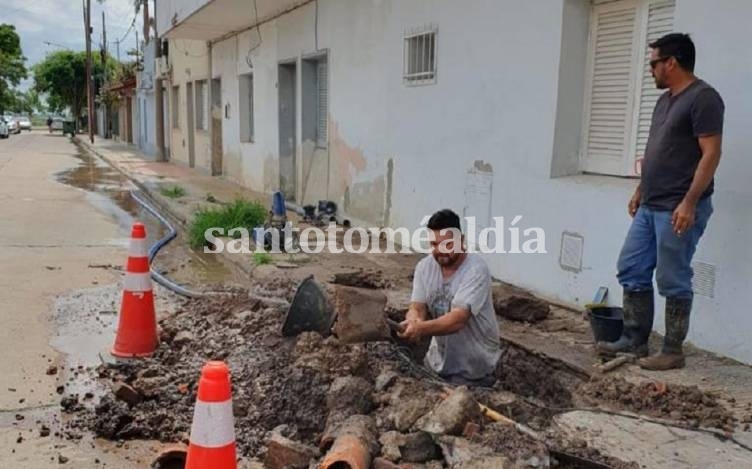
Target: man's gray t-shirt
(471,352)
(673,150)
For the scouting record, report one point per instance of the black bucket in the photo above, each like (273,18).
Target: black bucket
(310,310)
(606,322)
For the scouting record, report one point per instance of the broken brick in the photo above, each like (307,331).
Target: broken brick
(126,393)
(283,453)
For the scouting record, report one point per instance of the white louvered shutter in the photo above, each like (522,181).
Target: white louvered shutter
(609,106)
(323,104)
(660,21)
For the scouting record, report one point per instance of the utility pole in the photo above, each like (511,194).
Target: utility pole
(117,45)
(146,21)
(89,74)
(159,97)
(104,77)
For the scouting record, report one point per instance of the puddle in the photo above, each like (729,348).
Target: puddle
(109,191)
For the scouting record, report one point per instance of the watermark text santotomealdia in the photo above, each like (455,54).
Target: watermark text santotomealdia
(357,240)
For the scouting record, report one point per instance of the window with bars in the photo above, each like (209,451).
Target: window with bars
(621,92)
(420,57)
(201,108)
(175,108)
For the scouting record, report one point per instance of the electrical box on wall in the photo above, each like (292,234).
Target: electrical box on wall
(570,254)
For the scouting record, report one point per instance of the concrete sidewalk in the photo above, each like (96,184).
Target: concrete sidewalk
(152,177)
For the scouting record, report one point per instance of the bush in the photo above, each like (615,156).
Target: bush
(262,258)
(240,213)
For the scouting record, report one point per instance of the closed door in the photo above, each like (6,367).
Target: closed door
(287,143)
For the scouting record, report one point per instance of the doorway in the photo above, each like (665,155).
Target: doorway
(286,88)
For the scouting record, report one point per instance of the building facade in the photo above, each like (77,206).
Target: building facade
(498,108)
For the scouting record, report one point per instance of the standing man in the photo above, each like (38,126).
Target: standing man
(451,303)
(671,205)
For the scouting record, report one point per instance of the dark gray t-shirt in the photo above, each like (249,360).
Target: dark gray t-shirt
(471,352)
(673,150)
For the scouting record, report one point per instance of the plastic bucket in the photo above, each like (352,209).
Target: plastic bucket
(606,322)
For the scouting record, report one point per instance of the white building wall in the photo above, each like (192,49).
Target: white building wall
(189,63)
(500,111)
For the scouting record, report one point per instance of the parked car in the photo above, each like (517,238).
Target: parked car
(3,128)
(24,123)
(57,123)
(13,126)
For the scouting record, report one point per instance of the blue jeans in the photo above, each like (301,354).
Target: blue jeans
(651,244)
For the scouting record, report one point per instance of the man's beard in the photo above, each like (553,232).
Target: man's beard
(447,260)
(660,84)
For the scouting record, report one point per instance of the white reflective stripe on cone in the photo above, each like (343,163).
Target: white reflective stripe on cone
(137,248)
(213,425)
(137,282)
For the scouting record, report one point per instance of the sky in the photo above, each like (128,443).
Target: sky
(60,22)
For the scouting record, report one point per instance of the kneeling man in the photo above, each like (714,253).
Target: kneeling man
(451,303)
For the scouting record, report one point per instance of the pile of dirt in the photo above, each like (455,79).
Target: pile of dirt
(687,404)
(523,373)
(277,381)
(306,388)
(364,278)
(510,442)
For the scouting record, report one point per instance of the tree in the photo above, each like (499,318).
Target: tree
(62,76)
(12,69)
(26,102)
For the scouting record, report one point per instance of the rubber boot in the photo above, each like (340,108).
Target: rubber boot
(638,322)
(671,355)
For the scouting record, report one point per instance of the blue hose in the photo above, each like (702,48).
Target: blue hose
(154,249)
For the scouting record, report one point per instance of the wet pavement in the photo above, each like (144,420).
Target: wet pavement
(64,239)
(110,192)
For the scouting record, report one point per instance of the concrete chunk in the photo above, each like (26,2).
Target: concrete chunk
(360,315)
(451,415)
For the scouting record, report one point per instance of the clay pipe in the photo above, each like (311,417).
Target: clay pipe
(347,452)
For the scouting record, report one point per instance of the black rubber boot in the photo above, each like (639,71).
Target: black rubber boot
(677,327)
(638,322)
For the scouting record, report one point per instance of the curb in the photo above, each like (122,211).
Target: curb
(150,193)
(161,206)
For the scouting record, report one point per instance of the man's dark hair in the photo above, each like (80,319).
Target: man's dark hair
(444,219)
(678,46)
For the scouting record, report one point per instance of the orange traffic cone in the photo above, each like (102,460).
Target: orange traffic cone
(212,443)
(137,328)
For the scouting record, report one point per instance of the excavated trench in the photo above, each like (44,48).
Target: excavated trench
(284,384)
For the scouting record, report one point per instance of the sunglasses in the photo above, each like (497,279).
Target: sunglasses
(654,62)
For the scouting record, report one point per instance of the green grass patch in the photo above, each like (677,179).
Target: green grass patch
(174,192)
(262,258)
(240,213)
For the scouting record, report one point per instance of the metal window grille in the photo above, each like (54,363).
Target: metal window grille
(201,123)
(247,124)
(420,56)
(322,128)
(175,108)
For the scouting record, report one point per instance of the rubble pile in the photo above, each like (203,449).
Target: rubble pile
(306,399)
(686,404)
